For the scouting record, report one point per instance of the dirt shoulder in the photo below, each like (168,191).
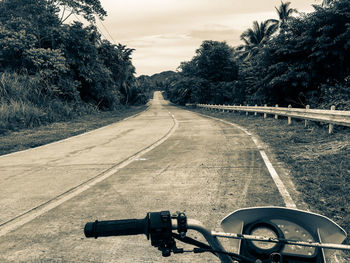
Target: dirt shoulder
(319,163)
(30,138)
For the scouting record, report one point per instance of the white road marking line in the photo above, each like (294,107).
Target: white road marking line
(278,182)
(58,200)
(281,188)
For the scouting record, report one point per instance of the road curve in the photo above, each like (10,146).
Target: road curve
(206,168)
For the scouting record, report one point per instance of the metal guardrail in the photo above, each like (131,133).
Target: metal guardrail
(332,116)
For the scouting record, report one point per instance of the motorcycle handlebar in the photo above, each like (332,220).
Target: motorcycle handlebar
(117,228)
(157,226)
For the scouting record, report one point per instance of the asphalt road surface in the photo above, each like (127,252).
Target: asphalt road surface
(165,158)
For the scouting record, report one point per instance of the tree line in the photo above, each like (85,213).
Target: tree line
(299,59)
(51,70)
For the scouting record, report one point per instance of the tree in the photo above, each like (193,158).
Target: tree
(214,61)
(51,71)
(183,89)
(13,42)
(126,71)
(284,13)
(327,2)
(301,65)
(42,21)
(208,77)
(256,37)
(87,8)
(87,67)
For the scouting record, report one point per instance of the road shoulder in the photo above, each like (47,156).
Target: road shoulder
(31,138)
(316,163)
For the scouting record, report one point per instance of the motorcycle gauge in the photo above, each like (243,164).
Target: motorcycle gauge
(265,229)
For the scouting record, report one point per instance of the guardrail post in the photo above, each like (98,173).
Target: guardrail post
(255,113)
(289,118)
(265,114)
(331,126)
(246,113)
(307,121)
(276,116)
(223,110)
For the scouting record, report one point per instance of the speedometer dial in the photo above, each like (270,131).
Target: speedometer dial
(265,232)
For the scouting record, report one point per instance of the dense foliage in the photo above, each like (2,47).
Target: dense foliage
(209,77)
(157,81)
(306,63)
(298,60)
(50,70)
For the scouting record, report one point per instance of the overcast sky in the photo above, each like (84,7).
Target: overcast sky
(167,32)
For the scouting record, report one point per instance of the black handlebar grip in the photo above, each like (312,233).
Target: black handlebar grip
(117,228)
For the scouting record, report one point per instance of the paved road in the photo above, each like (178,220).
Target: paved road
(204,167)
(32,177)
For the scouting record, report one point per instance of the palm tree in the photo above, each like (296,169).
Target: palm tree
(284,13)
(327,2)
(126,71)
(254,38)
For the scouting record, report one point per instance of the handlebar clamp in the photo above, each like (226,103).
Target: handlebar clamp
(160,229)
(181,224)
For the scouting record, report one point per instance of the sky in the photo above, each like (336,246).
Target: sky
(165,33)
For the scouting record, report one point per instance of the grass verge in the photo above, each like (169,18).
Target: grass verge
(13,141)
(319,162)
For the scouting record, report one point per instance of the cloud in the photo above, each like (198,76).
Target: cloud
(167,32)
(162,52)
(216,32)
(156,53)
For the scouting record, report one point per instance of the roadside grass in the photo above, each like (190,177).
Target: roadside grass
(12,141)
(319,163)
(25,102)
